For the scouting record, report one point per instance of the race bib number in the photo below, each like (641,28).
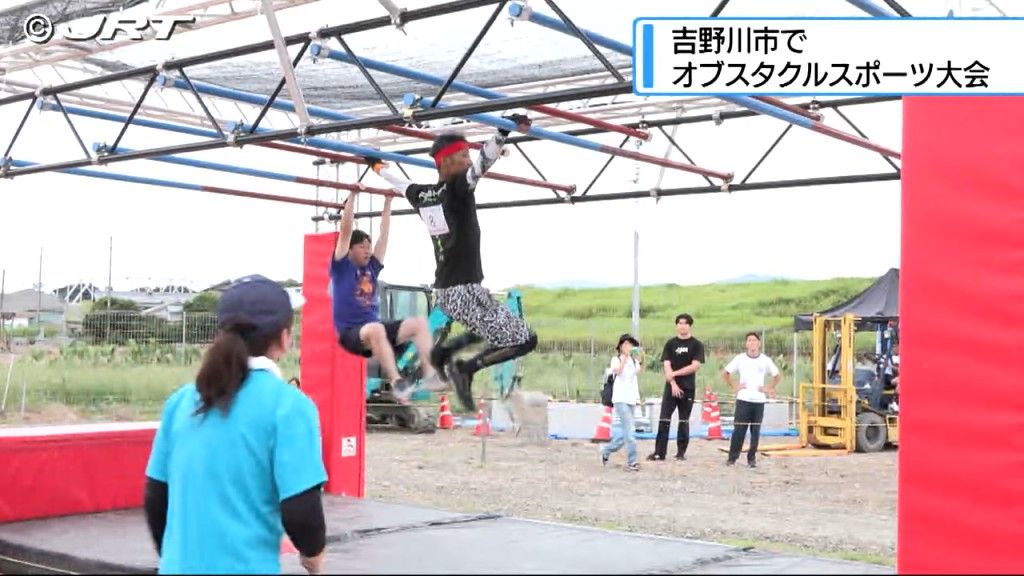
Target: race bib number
(433,217)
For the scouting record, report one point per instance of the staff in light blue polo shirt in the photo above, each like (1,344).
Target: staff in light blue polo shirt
(237,459)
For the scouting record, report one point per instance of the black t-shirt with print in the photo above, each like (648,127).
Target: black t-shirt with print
(449,211)
(680,353)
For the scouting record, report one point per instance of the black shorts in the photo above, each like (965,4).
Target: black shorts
(351,342)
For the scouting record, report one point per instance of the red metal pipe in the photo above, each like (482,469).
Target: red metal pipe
(582,119)
(347,186)
(567,188)
(816,116)
(852,139)
(313,152)
(274,197)
(725,177)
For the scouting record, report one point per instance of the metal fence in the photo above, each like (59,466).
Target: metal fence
(123,364)
(574,369)
(119,327)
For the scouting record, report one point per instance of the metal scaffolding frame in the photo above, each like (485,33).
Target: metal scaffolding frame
(595,110)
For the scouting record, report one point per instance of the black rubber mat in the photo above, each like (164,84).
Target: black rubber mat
(376,537)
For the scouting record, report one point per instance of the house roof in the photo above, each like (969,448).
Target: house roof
(28,301)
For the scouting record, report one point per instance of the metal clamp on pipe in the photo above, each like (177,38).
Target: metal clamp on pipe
(412,106)
(231,136)
(397,14)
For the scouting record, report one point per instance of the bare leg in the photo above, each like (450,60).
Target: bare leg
(417,330)
(376,339)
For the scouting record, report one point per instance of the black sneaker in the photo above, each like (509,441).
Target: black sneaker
(654,457)
(604,457)
(730,462)
(752,464)
(680,456)
(463,383)
(439,356)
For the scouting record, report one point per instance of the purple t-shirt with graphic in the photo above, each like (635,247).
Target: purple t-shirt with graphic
(354,292)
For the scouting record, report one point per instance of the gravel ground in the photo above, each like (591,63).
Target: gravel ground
(834,505)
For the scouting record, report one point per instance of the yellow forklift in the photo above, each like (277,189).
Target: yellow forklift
(846,408)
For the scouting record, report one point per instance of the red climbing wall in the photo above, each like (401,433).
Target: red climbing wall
(333,378)
(961,456)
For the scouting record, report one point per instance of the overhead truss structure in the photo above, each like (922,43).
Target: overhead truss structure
(68,78)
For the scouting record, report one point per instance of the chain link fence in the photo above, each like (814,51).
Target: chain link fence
(120,327)
(122,365)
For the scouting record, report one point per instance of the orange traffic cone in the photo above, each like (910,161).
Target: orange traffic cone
(483,427)
(705,415)
(714,416)
(444,417)
(604,427)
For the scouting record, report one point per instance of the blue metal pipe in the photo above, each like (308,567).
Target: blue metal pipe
(120,177)
(496,121)
(250,98)
(318,50)
(518,11)
(257,173)
(184,185)
(521,12)
(499,122)
(210,165)
(315,142)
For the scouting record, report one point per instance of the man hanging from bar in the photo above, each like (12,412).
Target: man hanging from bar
(354,268)
(448,208)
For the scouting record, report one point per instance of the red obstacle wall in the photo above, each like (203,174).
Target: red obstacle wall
(961,455)
(333,378)
(60,470)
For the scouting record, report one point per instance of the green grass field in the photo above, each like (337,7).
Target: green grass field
(577,331)
(720,311)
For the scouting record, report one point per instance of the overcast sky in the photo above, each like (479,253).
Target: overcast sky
(163,235)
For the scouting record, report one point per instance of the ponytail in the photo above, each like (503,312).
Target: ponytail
(224,368)
(226,364)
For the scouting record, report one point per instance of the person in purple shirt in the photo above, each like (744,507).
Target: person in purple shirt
(355,267)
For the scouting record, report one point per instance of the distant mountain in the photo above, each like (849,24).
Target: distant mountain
(589,284)
(570,284)
(750,278)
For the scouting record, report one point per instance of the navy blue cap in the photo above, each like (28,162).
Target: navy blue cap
(255,300)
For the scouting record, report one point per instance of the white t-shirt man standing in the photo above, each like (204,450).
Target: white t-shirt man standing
(751,395)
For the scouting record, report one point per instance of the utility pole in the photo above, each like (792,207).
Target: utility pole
(3,323)
(636,274)
(110,280)
(39,297)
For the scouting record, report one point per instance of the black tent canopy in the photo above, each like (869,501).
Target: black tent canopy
(877,303)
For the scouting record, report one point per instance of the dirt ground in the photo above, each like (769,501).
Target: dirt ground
(833,505)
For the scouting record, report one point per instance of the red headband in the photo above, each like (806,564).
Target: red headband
(448,150)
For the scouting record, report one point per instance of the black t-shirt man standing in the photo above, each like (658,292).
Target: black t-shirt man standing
(681,358)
